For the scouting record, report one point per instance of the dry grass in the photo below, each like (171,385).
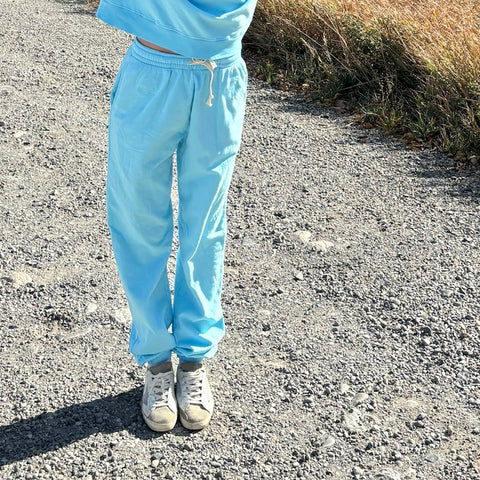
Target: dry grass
(411,67)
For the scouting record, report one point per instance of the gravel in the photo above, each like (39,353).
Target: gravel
(351,289)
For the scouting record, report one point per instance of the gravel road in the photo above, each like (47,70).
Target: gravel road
(351,290)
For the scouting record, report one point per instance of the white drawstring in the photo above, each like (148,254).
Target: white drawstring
(210,65)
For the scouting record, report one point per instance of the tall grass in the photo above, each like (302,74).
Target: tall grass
(411,67)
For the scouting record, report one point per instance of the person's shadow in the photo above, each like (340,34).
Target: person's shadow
(52,430)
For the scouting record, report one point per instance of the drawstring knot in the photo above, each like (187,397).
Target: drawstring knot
(210,65)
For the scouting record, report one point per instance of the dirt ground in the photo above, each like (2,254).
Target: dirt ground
(351,289)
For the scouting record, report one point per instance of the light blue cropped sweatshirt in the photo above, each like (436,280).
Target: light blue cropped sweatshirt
(203,29)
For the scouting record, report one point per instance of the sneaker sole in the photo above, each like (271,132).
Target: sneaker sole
(194,425)
(158,427)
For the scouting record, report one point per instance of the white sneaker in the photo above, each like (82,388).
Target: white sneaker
(194,396)
(159,407)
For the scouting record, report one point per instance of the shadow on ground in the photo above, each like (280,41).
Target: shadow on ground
(51,431)
(80,6)
(458,182)
(437,168)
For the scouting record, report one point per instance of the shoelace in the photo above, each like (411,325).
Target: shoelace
(160,386)
(192,385)
(210,65)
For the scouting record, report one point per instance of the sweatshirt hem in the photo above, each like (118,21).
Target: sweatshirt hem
(139,25)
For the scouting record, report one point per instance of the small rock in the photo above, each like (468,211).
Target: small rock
(447,293)
(432,458)
(464,335)
(322,245)
(77,333)
(396,302)
(352,421)
(91,308)
(474,160)
(425,342)
(328,442)
(410,474)
(20,279)
(360,398)
(262,313)
(396,455)
(155,463)
(303,236)
(357,471)
(388,474)
(248,242)
(428,440)
(298,276)
(426,331)
(344,388)
(122,315)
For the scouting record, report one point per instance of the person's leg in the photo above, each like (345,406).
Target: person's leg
(147,121)
(205,161)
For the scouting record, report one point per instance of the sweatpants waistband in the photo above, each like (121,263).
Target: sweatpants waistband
(156,58)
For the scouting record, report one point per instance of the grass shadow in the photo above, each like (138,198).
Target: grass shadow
(440,171)
(443,175)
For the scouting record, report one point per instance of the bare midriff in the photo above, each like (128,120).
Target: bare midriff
(155,47)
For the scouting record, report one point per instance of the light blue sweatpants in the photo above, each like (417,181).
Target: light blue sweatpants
(159,106)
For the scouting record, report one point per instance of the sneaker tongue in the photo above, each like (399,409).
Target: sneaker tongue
(161,368)
(190,367)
